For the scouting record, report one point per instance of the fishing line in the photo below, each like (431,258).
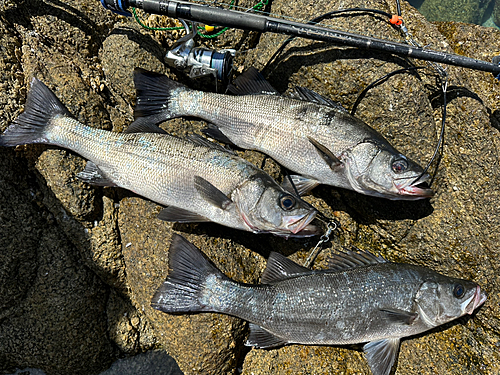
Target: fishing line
(332,225)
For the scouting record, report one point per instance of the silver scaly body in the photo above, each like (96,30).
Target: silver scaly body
(361,299)
(197,180)
(313,136)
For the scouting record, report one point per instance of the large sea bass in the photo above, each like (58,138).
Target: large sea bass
(198,182)
(362,299)
(310,135)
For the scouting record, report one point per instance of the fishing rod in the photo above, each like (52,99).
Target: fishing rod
(262,23)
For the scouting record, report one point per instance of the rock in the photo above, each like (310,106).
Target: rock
(80,264)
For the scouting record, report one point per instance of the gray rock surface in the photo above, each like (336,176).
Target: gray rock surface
(79,264)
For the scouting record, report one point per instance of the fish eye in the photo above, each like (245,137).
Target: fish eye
(459,291)
(400,166)
(287,202)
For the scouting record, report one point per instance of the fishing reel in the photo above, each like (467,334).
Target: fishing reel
(199,61)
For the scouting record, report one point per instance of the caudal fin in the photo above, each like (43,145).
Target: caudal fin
(31,125)
(185,286)
(154,94)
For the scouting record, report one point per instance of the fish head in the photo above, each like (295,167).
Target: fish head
(266,207)
(444,299)
(379,170)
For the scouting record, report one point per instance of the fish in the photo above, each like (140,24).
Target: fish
(361,299)
(308,134)
(198,180)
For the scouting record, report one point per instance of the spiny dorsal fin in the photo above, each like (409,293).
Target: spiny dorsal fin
(328,156)
(210,193)
(260,338)
(381,355)
(199,140)
(281,268)
(251,82)
(307,95)
(351,259)
(92,175)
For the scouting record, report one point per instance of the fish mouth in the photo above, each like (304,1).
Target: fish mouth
(300,225)
(414,189)
(476,300)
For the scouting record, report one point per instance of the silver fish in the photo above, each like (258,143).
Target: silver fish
(310,135)
(198,180)
(362,299)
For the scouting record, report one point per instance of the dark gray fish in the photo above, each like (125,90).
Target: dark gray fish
(363,299)
(198,180)
(309,134)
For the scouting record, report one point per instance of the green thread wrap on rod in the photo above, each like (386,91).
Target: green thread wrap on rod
(257,7)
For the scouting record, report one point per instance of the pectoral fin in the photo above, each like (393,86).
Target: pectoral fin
(178,215)
(302,184)
(381,355)
(92,175)
(328,156)
(210,193)
(400,316)
(261,338)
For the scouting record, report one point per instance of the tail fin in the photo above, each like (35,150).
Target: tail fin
(40,108)
(184,287)
(154,92)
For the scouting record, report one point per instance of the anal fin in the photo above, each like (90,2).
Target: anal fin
(214,132)
(92,175)
(261,338)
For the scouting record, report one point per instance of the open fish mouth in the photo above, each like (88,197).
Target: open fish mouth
(300,225)
(414,189)
(476,300)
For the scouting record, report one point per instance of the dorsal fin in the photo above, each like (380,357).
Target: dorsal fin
(251,82)
(307,95)
(281,268)
(350,259)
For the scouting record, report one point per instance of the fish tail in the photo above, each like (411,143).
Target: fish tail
(156,96)
(31,126)
(186,288)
